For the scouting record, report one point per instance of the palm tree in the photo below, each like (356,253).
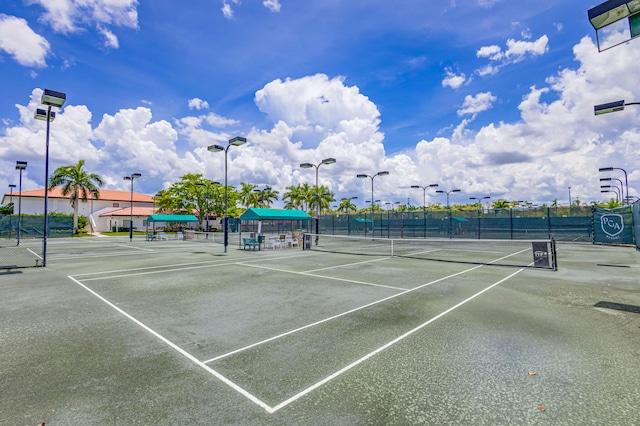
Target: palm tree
(501,203)
(248,197)
(347,206)
(267,196)
(78,184)
(293,197)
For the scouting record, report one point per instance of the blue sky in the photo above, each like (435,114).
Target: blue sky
(493,97)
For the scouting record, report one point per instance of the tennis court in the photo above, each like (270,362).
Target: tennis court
(179,332)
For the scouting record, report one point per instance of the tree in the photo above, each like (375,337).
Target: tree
(347,206)
(248,196)
(76,183)
(293,197)
(266,197)
(195,195)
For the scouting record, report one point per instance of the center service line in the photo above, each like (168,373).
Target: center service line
(386,346)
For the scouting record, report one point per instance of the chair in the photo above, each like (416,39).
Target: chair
(162,236)
(179,236)
(274,243)
(291,242)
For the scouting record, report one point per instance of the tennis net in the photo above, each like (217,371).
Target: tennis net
(518,253)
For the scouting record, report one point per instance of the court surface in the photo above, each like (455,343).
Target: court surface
(179,332)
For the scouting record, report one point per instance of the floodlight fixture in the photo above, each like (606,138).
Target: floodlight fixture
(53,98)
(612,107)
(215,148)
(21,165)
(41,114)
(237,141)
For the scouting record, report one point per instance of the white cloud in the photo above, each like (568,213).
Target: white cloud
(487,4)
(198,104)
(493,52)
(272,5)
(110,39)
(518,50)
(22,43)
(68,16)
(556,142)
(478,103)
(227,9)
(453,80)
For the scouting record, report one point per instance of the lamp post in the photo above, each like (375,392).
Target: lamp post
(11,186)
(617,190)
(479,201)
(50,98)
(236,141)
(609,179)
(424,203)
(20,165)
(317,166)
(362,176)
(131,178)
(626,180)
(448,192)
(612,11)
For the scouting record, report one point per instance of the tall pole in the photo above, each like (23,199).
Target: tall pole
(45,231)
(448,209)
(383,173)
(20,165)
(131,214)
(317,167)
(225,225)
(424,203)
(569,201)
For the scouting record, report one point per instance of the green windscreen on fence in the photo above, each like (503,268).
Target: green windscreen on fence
(613,226)
(636,221)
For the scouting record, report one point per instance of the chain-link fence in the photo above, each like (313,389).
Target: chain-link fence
(21,244)
(563,225)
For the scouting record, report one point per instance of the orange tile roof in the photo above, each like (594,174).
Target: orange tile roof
(137,211)
(105,194)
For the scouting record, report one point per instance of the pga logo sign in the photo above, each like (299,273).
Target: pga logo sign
(612,224)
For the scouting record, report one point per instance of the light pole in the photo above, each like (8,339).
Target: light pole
(612,11)
(361,176)
(609,179)
(448,192)
(479,201)
(51,98)
(609,187)
(424,203)
(20,165)
(236,141)
(626,180)
(317,166)
(131,178)
(11,186)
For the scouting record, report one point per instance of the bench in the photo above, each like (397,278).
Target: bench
(251,242)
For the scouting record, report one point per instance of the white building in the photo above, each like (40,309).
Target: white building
(111,209)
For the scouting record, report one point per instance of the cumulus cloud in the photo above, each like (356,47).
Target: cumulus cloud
(198,104)
(19,41)
(453,80)
(555,143)
(478,103)
(110,39)
(227,8)
(517,51)
(68,16)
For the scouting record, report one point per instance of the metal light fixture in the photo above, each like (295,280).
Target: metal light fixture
(612,107)
(625,199)
(236,141)
(424,203)
(131,178)
(308,166)
(50,98)
(361,176)
(448,192)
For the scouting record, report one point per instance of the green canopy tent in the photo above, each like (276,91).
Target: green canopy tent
(167,218)
(275,219)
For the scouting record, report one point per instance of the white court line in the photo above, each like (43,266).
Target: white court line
(34,253)
(338,315)
(384,347)
(348,264)
(178,349)
(324,276)
(134,247)
(209,265)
